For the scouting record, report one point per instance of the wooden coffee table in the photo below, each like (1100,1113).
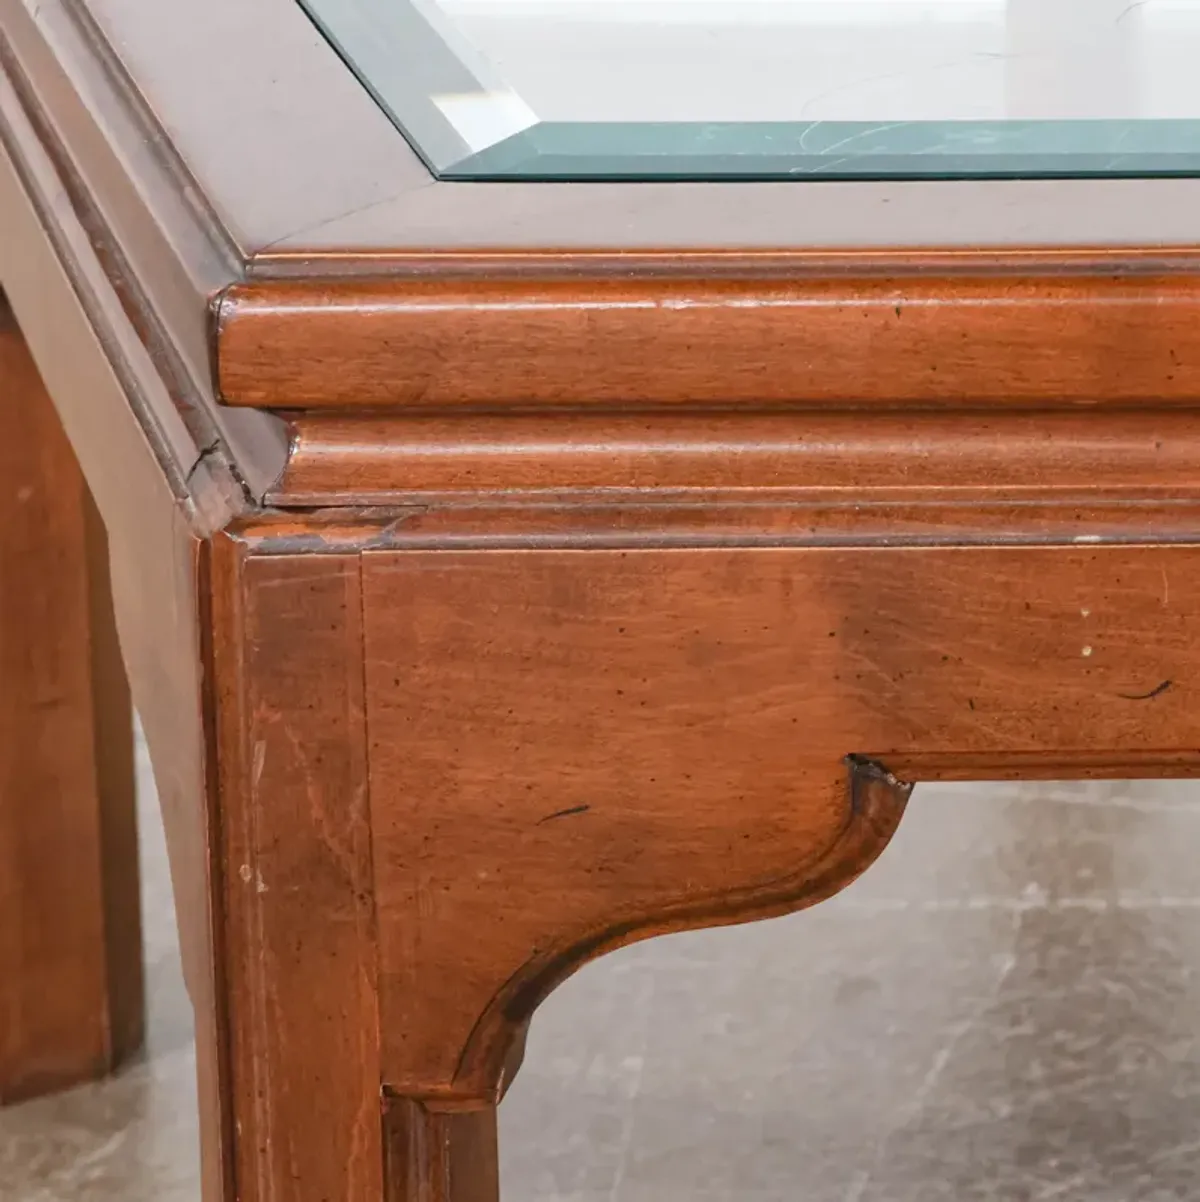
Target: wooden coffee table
(511,566)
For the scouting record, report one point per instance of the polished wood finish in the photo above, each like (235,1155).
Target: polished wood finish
(507,573)
(440,1156)
(1010,330)
(823,457)
(295,883)
(673,728)
(70,930)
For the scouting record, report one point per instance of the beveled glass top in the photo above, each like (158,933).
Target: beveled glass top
(782,89)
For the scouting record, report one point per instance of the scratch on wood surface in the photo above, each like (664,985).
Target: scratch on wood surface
(583,809)
(1157,692)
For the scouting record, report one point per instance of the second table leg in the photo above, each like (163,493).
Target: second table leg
(70,939)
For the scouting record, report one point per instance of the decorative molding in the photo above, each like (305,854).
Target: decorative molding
(875,804)
(878,336)
(827,458)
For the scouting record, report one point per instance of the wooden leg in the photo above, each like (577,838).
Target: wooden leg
(304,1088)
(386,929)
(70,938)
(441,1157)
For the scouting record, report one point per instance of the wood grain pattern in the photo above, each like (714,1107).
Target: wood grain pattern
(440,1156)
(296,883)
(355,459)
(642,740)
(660,528)
(974,337)
(70,929)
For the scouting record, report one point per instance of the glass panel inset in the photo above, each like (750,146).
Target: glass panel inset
(782,89)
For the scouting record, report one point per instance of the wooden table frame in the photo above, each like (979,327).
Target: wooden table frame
(506,572)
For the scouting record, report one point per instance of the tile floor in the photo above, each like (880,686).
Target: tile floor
(1006,1008)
